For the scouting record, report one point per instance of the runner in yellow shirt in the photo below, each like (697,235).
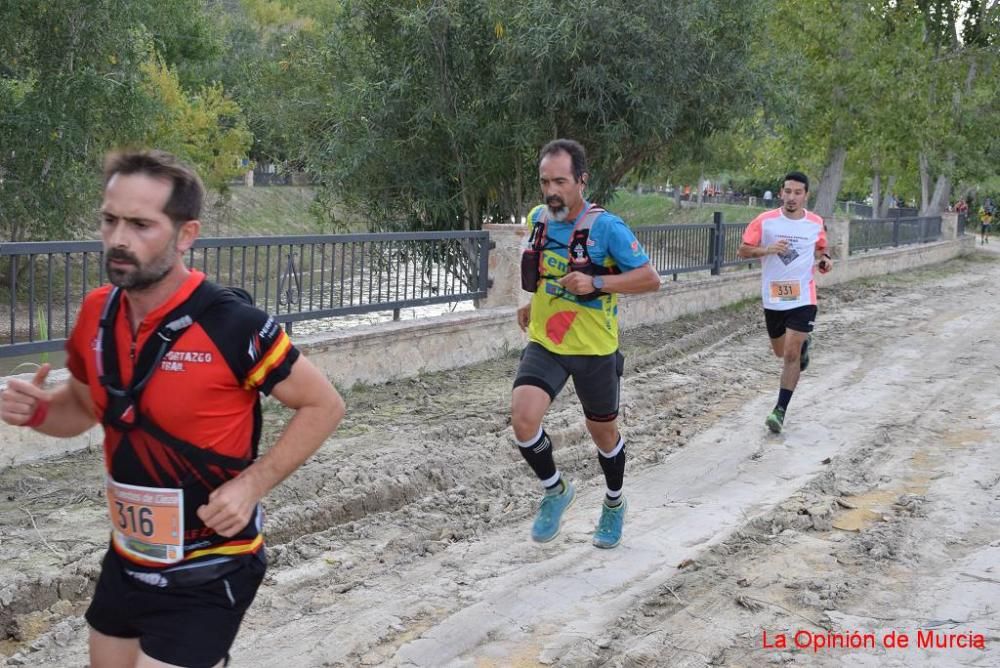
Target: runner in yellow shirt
(579,258)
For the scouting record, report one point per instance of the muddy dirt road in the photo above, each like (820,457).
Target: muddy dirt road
(405,541)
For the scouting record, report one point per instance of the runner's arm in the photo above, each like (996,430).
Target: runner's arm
(632,282)
(70,409)
(318,410)
(750,251)
(824,260)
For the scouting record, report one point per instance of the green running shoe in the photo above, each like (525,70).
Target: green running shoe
(776,420)
(609,528)
(804,357)
(554,504)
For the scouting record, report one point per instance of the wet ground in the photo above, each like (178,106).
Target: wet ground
(404,542)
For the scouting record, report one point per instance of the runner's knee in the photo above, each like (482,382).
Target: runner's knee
(528,406)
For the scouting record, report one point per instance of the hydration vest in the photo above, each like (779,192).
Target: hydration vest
(578,257)
(122,412)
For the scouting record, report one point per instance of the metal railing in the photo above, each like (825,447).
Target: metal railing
(679,249)
(859,210)
(869,234)
(294,278)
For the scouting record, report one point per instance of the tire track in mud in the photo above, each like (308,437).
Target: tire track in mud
(426,465)
(418,441)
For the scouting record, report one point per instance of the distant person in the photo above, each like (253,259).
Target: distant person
(985,223)
(173,366)
(768,198)
(790,240)
(578,260)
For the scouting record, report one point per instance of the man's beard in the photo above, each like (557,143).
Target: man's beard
(140,277)
(558,210)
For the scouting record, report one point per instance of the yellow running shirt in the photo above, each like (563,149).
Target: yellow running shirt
(562,323)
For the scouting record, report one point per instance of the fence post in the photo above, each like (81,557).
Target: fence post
(949,226)
(838,237)
(716,243)
(895,231)
(505,265)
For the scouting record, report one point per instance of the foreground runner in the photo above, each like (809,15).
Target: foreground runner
(579,258)
(790,240)
(173,367)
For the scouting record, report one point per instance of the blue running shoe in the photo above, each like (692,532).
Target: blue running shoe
(550,513)
(609,528)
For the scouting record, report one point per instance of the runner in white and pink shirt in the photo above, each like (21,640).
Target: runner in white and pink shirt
(791,242)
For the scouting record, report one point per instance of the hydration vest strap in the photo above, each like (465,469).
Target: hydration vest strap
(122,411)
(189,450)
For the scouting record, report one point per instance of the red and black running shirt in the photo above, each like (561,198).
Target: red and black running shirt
(206,391)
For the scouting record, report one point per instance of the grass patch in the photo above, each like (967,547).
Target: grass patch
(281,210)
(268,211)
(654,209)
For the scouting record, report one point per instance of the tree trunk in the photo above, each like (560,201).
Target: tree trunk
(876,193)
(942,189)
(941,197)
(925,183)
(519,211)
(829,183)
(701,180)
(883,209)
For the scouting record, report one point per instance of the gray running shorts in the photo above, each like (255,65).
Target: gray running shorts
(597,378)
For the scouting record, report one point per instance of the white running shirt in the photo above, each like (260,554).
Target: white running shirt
(787,280)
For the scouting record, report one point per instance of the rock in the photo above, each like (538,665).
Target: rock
(808,598)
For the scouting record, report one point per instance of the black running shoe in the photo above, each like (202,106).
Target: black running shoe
(804,357)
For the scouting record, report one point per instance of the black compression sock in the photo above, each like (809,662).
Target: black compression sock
(614,471)
(538,454)
(784,396)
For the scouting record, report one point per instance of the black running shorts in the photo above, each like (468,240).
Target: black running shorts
(799,319)
(597,378)
(192,625)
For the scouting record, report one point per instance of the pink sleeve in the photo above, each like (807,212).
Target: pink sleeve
(752,235)
(821,241)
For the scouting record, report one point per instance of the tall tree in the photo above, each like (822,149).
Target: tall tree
(961,95)
(436,108)
(72,87)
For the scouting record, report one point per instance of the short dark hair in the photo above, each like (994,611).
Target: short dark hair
(576,153)
(798,177)
(188,193)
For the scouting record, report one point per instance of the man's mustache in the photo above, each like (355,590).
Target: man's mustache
(121,256)
(555,202)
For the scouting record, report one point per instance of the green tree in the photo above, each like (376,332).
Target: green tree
(436,109)
(71,87)
(206,129)
(961,96)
